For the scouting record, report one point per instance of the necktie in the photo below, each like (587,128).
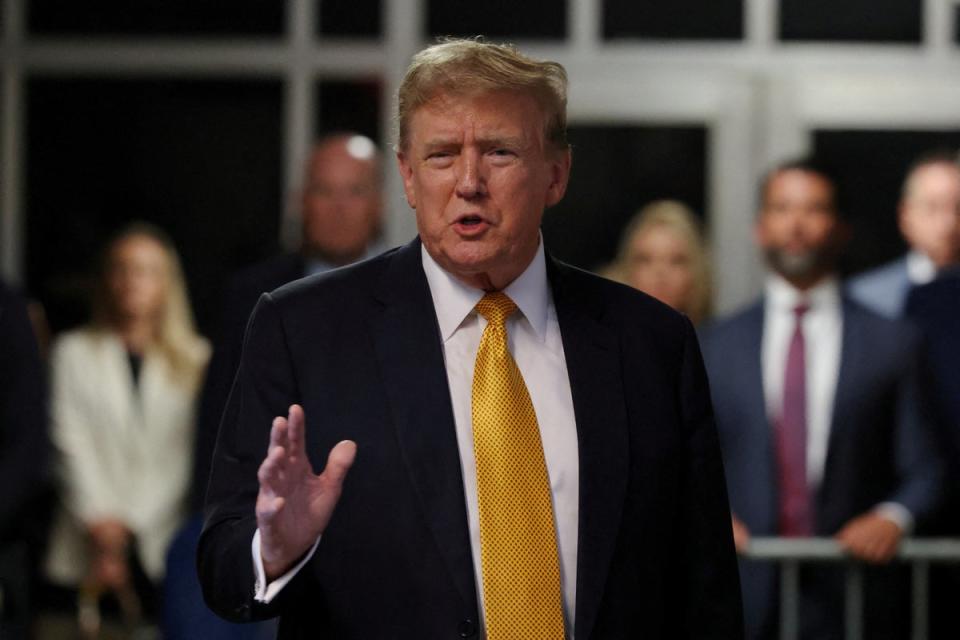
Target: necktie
(795,512)
(518,542)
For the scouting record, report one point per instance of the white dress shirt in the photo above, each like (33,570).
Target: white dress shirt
(535,342)
(823,339)
(920,268)
(823,334)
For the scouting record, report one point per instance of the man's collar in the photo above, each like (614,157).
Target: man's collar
(454,301)
(781,294)
(920,268)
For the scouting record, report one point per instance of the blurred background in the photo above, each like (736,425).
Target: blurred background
(197,115)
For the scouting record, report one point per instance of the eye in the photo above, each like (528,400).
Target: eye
(439,158)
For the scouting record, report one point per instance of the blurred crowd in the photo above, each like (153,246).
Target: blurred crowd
(837,402)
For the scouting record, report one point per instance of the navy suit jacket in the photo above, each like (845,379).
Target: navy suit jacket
(935,308)
(361,350)
(880,447)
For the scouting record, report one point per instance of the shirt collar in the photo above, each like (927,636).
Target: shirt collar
(454,301)
(920,268)
(783,296)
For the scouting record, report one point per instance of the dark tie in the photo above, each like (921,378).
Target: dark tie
(795,513)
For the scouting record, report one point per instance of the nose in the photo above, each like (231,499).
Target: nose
(470,181)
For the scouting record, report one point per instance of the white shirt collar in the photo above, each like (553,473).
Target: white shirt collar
(454,301)
(920,268)
(783,296)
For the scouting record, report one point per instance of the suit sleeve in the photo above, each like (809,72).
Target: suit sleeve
(919,464)
(265,387)
(712,607)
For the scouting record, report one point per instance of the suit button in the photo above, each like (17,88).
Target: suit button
(467,628)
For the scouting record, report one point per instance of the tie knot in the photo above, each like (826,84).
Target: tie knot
(801,309)
(496,307)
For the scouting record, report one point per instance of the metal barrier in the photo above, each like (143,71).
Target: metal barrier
(790,553)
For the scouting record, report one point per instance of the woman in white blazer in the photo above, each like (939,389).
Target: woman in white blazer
(122,401)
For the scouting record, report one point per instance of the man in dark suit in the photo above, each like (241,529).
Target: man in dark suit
(340,216)
(816,405)
(592,395)
(929,219)
(24,452)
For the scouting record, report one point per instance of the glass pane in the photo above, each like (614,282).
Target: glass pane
(676,19)
(870,167)
(618,168)
(201,159)
(851,20)
(156,17)
(350,105)
(536,19)
(356,18)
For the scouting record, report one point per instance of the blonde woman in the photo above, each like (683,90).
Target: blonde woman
(662,253)
(122,394)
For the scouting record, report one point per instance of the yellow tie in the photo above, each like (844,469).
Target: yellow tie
(518,543)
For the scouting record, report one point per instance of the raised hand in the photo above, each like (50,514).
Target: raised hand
(294,504)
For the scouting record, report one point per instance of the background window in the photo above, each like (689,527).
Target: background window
(673,19)
(536,19)
(616,170)
(350,18)
(870,166)
(350,105)
(851,20)
(201,159)
(155,18)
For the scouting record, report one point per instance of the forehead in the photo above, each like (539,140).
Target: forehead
(935,174)
(798,183)
(488,113)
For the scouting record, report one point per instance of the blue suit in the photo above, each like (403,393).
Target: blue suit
(880,448)
(883,290)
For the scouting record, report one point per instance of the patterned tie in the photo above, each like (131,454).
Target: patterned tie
(795,514)
(518,544)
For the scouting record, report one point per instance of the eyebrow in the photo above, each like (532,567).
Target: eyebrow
(492,141)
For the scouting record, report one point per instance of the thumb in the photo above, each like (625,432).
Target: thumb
(339,461)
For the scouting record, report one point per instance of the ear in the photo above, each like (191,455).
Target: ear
(560,164)
(406,174)
(902,215)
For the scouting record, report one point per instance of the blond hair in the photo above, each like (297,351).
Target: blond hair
(679,219)
(471,66)
(176,338)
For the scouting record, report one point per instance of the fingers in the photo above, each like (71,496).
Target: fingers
(741,535)
(339,461)
(871,538)
(295,427)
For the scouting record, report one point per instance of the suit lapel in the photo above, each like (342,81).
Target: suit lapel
(845,396)
(592,353)
(410,351)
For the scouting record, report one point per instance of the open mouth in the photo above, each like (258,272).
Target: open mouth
(470,221)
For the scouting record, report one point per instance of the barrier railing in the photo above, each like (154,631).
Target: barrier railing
(790,553)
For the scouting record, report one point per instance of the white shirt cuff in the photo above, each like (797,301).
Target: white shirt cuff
(263,592)
(898,514)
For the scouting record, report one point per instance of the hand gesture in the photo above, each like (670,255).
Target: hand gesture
(294,504)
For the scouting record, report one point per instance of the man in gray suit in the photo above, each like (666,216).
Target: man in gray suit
(929,219)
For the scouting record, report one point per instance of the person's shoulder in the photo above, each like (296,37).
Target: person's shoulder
(883,276)
(720,329)
(877,331)
(79,342)
(342,285)
(268,274)
(620,303)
